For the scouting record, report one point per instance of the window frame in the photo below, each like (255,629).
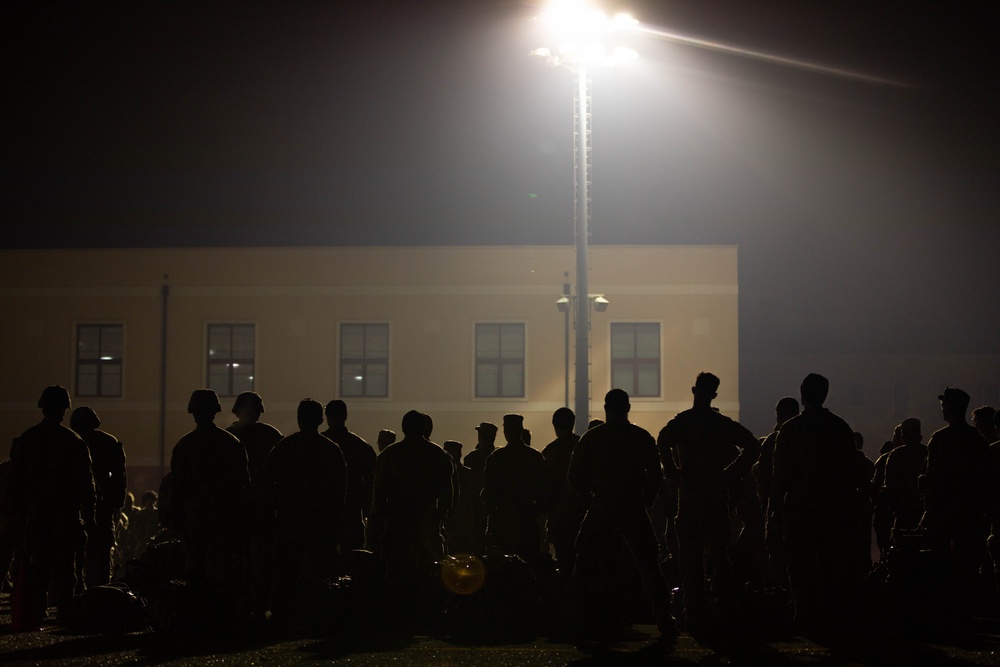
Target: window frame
(500,361)
(210,360)
(635,361)
(100,362)
(364,360)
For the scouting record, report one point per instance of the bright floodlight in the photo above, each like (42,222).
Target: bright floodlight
(581,31)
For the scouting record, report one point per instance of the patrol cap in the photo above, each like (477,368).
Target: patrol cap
(487,427)
(204,400)
(514,420)
(955,396)
(84,419)
(54,397)
(453,447)
(247,399)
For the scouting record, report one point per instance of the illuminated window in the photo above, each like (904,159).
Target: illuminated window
(499,360)
(230,358)
(364,360)
(99,359)
(635,358)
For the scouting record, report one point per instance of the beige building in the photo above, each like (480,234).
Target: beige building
(464,334)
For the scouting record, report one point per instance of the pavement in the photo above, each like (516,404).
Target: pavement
(979,644)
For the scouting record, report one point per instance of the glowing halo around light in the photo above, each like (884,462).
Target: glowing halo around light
(463,574)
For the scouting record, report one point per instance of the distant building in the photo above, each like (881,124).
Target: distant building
(465,334)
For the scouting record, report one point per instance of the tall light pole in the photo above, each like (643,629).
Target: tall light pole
(581,32)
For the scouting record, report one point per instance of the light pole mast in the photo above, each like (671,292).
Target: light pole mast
(582,228)
(580,32)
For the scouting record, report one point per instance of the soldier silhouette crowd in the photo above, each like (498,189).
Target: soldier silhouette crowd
(692,530)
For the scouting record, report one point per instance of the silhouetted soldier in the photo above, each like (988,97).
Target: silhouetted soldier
(412,498)
(56,486)
(360,459)
(864,471)
(763,471)
(903,467)
(567,510)
(256,437)
(515,493)
(983,418)
(616,470)
(306,482)
(711,455)
(461,526)
(108,464)
(486,435)
(813,497)
(259,439)
(208,488)
(881,514)
(958,489)
(385,438)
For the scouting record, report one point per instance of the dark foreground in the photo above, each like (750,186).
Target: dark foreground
(979,644)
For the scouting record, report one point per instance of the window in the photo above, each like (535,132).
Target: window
(364,360)
(635,358)
(230,358)
(99,359)
(499,360)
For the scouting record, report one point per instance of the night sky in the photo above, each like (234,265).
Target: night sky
(867,213)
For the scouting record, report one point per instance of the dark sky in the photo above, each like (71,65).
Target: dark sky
(868,214)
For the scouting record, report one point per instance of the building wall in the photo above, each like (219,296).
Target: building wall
(431,298)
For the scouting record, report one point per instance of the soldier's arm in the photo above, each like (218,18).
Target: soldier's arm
(779,477)
(653,471)
(579,474)
(87,490)
(749,452)
(119,476)
(665,447)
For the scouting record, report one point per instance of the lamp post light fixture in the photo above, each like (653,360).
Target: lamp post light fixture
(581,32)
(565,304)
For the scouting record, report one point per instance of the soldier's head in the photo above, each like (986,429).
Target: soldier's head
(616,405)
(563,421)
(336,412)
(149,500)
(454,448)
(814,389)
(248,406)
(705,389)
(413,424)
(84,420)
(204,405)
(909,431)
(954,404)
(786,408)
(486,433)
(54,402)
(513,428)
(309,415)
(982,419)
(385,438)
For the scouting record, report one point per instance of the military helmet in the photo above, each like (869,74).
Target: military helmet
(84,419)
(204,400)
(54,397)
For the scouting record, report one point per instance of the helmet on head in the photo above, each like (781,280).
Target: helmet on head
(204,400)
(84,419)
(54,397)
